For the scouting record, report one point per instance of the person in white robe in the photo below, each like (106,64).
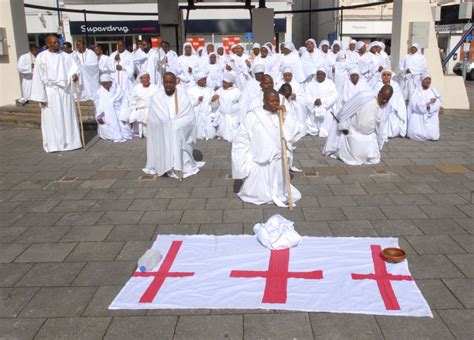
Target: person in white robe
(25,66)
(269,61)
(106,65)
(372,64)
(353,85)
(109,105)
(312,59)
(411,67)
(240,63)
(140,57)
(266,83)
(257,154)
(287,78)
(228,111)
(52,87)
(356,138)
(326,56)
(171,133)
(124,68)
(88,71)
(202,98)
(423,111)
(139,103)
(352,55)
(397,120)
(332,58)
(189,63)
(216,72)
(341,71)
(291,58)
(255,51)
(294,106)
(222,56)
(252,88)
(320,99)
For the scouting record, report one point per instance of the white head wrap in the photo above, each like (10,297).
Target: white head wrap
(353,41)
(141,74)
(259,68)
(256,45)
(311,40)
(341,56)
(417,46)
(359,45)
(229,77)
(323,43)
(106,78)
(289,45)
(190,45)
(354,70)
(199,74)
(287,70)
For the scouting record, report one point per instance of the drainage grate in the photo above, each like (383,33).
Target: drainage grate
(66,179)
(147,178)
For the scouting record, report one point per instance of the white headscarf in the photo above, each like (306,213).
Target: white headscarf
(190,45)
(359,45)
(229,77)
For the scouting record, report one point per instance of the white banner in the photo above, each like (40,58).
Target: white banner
(323,274)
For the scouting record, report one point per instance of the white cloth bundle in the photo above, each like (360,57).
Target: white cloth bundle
(277,233)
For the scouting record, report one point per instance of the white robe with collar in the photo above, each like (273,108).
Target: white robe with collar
(52,84)
(257,158)
(320,117)
(396,124)
(205,117)
(228,112)
(25,68)
(423,121)
(139,103)
(171,133)
(88,73)
(124,78)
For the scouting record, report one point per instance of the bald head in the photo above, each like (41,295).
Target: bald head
(52,42)
(267,82)
(271,100)
(385,94)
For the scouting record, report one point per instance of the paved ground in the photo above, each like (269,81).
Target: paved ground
(72,226)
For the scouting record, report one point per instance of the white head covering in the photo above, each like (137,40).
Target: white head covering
(323,43)
(322,69)
(312,41)
(142,73)
(256,45)
(268,48)
(289,45)
(354,70)
(359,45)
(287,70)
(353,41)
(302,50)
(417,46)
(190,45)
(259,68)
(336,42)
(341,56)
(106,78)
(199,74)
(229,77)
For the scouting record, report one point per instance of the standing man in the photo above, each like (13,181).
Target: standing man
(53,78)
(171,132)
(88,64)
(26,65)
(124,67)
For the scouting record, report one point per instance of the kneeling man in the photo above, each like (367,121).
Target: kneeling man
(257,153)
(171,132)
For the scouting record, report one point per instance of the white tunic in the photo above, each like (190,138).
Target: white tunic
(205,119)
(139,102)
(416,63)
(124,77)
(320,117)
(52,84)
(228,112)
(25,68)
(396,124)
(88,74)
(171,133)
(423,117)
(257,158)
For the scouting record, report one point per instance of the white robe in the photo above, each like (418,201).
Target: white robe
(311,61)
(186,63)
(320,117)
(293,61)
(350,90)
(205,117)
(423,122)
(88,74)
(271,64)
(25,68)
(416,63)
(139,103)
(215,76)
(171,132)
(353,58)
(124,78)
(109,105)
(52,84)
(106,65)
(396,124)
(257,158)
(369,65)
(228,112)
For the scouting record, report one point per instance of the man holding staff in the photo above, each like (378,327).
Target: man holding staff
(258,157)
(52,87)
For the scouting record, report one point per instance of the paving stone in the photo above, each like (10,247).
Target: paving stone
(209,192)
(87,233)
(74,206)
(202,216)
(381,188)
(277,326)
(10,273)
(51,274)
(140,232)
(8,206)
(10,234)
(437,294)
(315,189)
(20,329)
(181,312)
(415,188)
(150,204)
(465,241)
(410,199)
(12,300)
(347,189)
(336,201)
(221,229)
(439,226)
(105,274)
(121,217)
(243,215)
(443,211)
(459,322)
(452,168)
(95,251)
(209,327)
(162,217)
(38,219)
(9,251)
(324,214)
(467,209)
(142,327)
(97,184)
(187,204)
(180,192)
(133,250)
(112,205)
(372,200)
(432,267)
(463,289)
(352,228)
(466,223)
(104,194)
(396,327)
(101,301)
(36,206)
(28,195)
(110,174)
(465,262)
(434,244)
(138,193)
(177,229)
(363,213)
(80,218)
(296,215)
(58,302)
(402,211)
(68,328)
(314,228)
(450,187)
(344,326)
(441,199)
(357,178)
(46,252)
(42,234)
(224,203)
(395,228)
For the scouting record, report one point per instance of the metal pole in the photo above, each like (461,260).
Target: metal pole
(465,61)
(59,13)
(342,22)
(85,23)
(186,24)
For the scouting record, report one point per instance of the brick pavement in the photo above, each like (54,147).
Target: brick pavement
(72,226)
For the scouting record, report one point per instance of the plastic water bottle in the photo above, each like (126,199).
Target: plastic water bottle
(149,260)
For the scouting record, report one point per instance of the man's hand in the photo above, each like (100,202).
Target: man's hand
(228,68)
(215,89)
(249,64)
(190,70)
(118,67)
(345,132)
(293,96)
(282,108)
(380,68)
(43,105)
(215,97)
(117,57)
(178,80)
(408,71)
(317,102)
(432,100)
(75,78)
(101,121)
(201,98)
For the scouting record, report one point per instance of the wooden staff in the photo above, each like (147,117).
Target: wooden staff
(286,168)
(178,173)
(80,115)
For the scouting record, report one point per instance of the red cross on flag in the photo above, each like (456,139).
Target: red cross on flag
(323,274)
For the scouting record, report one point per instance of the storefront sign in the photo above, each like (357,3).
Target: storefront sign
(114,27)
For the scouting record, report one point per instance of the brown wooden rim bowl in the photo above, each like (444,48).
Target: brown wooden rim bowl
(394,255)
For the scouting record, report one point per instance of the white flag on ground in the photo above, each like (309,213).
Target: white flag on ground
(323,274)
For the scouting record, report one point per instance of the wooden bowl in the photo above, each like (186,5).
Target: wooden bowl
(394,255)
